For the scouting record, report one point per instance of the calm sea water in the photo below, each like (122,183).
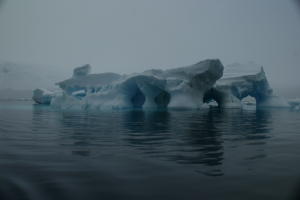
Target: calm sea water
(208,154)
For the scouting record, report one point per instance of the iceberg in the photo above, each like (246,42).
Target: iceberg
(190,87)
(42,96)
(182,87)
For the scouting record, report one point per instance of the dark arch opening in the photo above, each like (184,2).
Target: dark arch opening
(138,99)
(213,95)
(162,99)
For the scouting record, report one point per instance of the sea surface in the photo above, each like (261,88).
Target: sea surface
(198,154)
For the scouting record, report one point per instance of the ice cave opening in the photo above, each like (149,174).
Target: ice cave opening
(138,99)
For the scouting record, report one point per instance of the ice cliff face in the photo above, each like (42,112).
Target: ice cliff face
(185,87)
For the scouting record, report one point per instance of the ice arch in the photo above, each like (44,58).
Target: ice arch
(229,92)
(145,91)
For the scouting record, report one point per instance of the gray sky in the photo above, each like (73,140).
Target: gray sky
(134,35)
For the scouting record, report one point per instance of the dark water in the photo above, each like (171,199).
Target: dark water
(208,154)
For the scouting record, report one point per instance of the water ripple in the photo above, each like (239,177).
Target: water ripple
(62,149)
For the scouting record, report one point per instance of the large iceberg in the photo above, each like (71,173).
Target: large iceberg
(175,88)
(184,87)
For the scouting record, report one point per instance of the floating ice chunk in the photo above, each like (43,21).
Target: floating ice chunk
(42,96)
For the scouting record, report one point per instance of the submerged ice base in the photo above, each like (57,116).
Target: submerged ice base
(185,88)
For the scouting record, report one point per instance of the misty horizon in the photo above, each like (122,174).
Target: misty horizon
(138,35)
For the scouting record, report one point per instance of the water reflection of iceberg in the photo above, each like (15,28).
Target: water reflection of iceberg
(196,138)
(202,140)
